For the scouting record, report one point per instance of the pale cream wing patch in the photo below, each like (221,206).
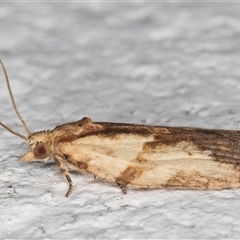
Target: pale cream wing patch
(103,156)
(184,166)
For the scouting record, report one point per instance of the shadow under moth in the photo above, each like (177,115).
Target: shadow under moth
(138,155)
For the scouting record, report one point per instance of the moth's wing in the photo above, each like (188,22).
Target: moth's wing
(156,157)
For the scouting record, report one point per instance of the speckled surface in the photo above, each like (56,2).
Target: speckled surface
(161,63)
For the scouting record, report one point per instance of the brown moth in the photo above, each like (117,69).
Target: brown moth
(138,155)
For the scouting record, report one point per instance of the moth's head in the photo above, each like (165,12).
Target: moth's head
(39,149)
(38,141)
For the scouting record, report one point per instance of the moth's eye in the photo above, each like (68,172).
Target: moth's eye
(40,151)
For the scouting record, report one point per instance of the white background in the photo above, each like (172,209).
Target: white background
(171,64)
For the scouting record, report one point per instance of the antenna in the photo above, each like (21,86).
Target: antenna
(15,108)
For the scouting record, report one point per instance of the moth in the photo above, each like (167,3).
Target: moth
(137,155)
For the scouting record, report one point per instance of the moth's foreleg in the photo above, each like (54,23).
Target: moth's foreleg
(64,169)
(70,182)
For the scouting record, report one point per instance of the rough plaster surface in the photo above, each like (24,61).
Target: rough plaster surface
(154,63)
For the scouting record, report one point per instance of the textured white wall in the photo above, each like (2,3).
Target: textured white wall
(159,63)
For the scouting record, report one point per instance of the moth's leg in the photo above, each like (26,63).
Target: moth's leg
(122,184)
(128,176)
(64,170)
(70,182)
